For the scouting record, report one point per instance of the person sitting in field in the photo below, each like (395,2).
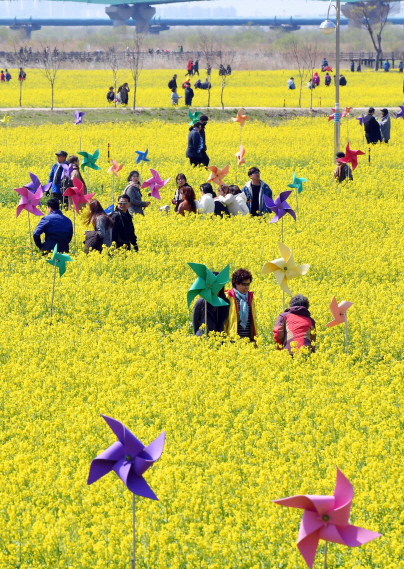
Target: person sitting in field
(316,79)
(175,97)
(342,80)
(342,171)
(215,318)
(242,320)
(386,66)
(295,325)
(206,84)
(228,200)
(291,83)
(327,79)
(241,199)
(188,202)
(58,229)
(198,84)
(324,64)
(206,202)
(181,181)
(111,95)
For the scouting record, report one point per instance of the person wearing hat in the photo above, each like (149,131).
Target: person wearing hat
(372,128)
(55,175)
(385,125)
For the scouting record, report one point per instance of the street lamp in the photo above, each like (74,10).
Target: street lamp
(327,28)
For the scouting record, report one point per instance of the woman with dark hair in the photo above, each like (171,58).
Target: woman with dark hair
(181,181)
(187,201)
(74,161)
(242,319)
(216,317)
(385,125)
(102,223)
(125,94)
(195,145)
(296,325)
(206,202)
(134,194)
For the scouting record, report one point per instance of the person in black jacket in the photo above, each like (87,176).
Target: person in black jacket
(123,231)
(189,94)
(195,145)
(372,128)
(125,94)
(216,316)
(204,157)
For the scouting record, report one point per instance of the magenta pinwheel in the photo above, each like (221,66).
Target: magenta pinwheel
(29,200)
(279,206)
(351,156)
(155,183)
(35,184)
(76,192)
(327,518)
(128,458)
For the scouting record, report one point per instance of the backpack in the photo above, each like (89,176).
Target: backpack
(171,84)
(65,183)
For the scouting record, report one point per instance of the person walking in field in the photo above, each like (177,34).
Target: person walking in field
(189,68)
(295,328)
(134,194)
(204,157)
(8,76)
(196,67)
(189,95)
(2,77)
(385,125)
(22,75)
(195,145)
(55,176)
(242,319)
(172,84)
(123,230)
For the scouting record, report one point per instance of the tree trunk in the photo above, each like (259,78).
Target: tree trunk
(20,92)
(221,95)
(115,91)
(300,92)
(52,97)
(311,93)
(208,97)
(134,94)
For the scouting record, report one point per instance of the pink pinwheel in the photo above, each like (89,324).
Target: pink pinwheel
(36,184)
(338,311)
(240,155)
(128,458)
(29,201)
(400,114)
(343,113)
(115,168)
(76,192)
(279,206)
(327,518)
(155,183)
(350,156)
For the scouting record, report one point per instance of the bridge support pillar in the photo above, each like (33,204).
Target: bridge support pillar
(141,13)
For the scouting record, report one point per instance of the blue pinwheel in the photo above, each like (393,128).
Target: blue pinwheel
(142,156)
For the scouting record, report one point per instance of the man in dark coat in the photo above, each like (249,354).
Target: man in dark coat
(189,94)
(123,231)
(204,157)
(372,128)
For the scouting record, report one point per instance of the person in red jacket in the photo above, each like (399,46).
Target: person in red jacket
(190,66)
(296,325)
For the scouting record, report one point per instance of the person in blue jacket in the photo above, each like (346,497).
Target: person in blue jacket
(55,175)
(255,190)
(386,65)
(195,145)
(58,229)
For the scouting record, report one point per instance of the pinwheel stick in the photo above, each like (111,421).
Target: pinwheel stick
(282,230)
(81,124)
(30,237)
(283,300)
(113,186)
(297,201)
(347,127)
(53,288)
(6,136)
(237,167)
(133,562)
(74,228)
(206,318)
(325,555)
(346,332)
(88,179)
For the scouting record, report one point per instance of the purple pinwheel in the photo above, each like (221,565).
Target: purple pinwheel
(128,458)
(29,201)
(78,115)
(36,184)
(361,119)
(279,207)
(67,170)
(400,115)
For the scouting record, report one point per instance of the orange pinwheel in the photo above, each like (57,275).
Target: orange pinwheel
(115,168)
(240,155)
(217,174)
(241,118)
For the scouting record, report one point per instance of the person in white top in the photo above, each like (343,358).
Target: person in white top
(228,200)
(240,198)
(206,203)
(175,97)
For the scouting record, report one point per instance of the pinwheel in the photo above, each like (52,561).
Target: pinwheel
(194,117)
(129,459)
(89,161)
(217,175)
(6,119)
(400,114)
(285,269)
(207,285)
(351,156)
(29,201)
(78,115)
(35,184)
(76,192)
(240,158)
(141,157)
(155,183)
(240,118)
(115,168)
(280,207)
(58,260)
(297,184)
(339,314)
(327,518)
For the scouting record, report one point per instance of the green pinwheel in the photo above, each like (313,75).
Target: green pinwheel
(194,117)
(59,260)
(297,183)
(90,160)
(207,285)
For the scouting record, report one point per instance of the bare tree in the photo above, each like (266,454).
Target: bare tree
(373,17)
(21,58)
(136,58)
(113,59)
(49,61)
(301,66)
(225,60)
(309,58)
(207,47)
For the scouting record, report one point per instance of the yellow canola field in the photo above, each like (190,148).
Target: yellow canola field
(244,424)
(88,88)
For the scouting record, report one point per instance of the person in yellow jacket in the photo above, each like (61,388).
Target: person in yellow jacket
(242,319)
